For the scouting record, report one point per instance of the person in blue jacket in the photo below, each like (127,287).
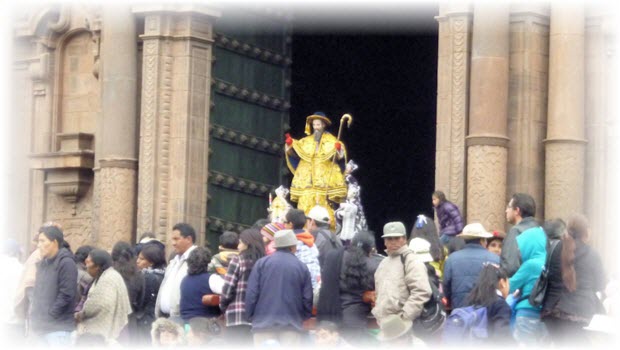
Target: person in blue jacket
(279,294)
(528,328)
(463,267)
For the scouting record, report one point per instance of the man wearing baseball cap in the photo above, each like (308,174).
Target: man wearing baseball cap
(279,294)
(401,281)
(317,223)
(463,267)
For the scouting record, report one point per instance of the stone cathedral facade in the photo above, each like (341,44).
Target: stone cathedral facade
(130,118)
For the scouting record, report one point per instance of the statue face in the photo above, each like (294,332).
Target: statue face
(318,125)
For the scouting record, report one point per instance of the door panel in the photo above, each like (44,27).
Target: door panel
(250,94)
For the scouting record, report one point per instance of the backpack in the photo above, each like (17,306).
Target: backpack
(539,291)
(433,315)
(466,325)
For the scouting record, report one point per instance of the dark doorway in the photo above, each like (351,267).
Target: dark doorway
(388,83)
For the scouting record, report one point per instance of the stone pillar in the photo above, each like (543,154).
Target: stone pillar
(452,99)
(174,127)
(487,140)
(527,106)
(565,143)
(117,154)
(601,189)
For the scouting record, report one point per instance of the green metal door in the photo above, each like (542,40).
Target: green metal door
(249,114)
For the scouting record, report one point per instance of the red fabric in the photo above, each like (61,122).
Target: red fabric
(306,238)
(338,146)
(289,141)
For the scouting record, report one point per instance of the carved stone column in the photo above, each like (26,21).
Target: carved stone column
(527,107)
(116,178)
(174,128)
(601,88)
(487,141)
(565,143)
(452,99)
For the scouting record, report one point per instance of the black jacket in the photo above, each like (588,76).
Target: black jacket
(510,259)
(583,303)
(55,294)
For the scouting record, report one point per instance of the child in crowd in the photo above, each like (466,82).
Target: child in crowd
(228,248)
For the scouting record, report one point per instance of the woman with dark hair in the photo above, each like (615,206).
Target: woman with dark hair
(54,294)
(346,275)
(151,262)
(449,216)
(575,276)
(424,227)
(84,279)
(107,307)
(491,291)
(232,300)
(197,283)
(124,261)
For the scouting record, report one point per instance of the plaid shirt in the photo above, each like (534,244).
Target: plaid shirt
(310,257)
(232,299)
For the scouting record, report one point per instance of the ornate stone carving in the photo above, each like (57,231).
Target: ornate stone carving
(148,134)
(486,185)
(116,201)
(76,218)
(250,96)
(460,28)
(564,178)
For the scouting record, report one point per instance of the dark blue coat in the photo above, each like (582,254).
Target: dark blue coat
(55,294)
(461,271)
(193,287)
(279,293)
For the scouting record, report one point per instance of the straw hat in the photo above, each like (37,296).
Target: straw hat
(475,230)
(317,115)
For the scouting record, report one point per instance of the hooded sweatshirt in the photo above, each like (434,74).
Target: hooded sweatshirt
(532,244)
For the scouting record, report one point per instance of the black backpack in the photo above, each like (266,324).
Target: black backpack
(433,315)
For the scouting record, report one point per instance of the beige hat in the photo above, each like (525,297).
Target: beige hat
(475,230)
(394,229)
(285,238)
(421,248)
(393,327)
(319,214)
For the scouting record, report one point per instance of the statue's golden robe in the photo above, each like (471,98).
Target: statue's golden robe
(315,176)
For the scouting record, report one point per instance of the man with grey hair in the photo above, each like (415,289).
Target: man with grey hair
(279,294)
(401,280)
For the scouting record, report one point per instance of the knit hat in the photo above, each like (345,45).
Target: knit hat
(394,229)
(316,115)
(421,248)
(285,238)
(393,327)
(269,230)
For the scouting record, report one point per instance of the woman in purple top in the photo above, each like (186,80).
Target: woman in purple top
(450,220)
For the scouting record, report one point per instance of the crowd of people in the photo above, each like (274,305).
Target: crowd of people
(289,280)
